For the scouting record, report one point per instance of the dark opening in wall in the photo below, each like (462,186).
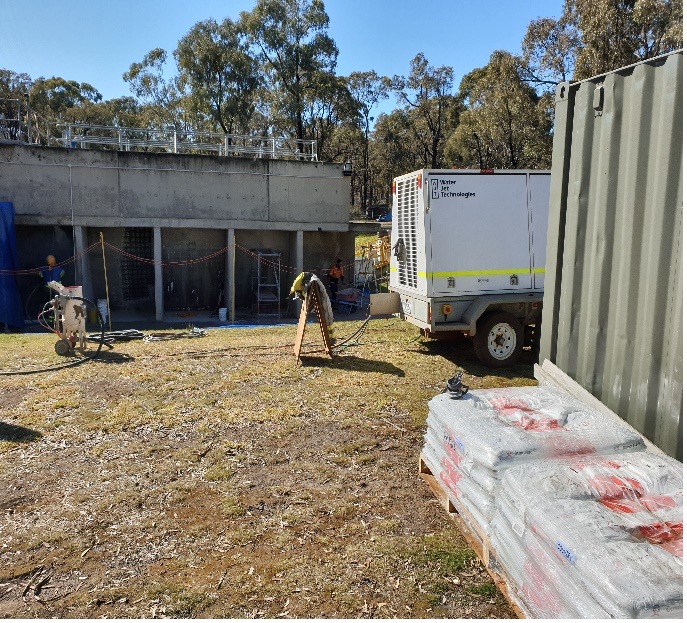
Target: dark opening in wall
(138,277)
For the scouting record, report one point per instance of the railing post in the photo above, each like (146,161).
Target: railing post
(274,149)
(226,145)
(175,141)
(119,137)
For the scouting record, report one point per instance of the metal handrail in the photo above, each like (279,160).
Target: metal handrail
(74,135)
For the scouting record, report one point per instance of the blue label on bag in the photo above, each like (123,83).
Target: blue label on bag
(568,554)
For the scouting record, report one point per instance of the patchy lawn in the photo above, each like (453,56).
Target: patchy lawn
(214,477)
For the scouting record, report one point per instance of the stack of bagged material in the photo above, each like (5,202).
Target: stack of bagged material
(470,441)
(593,537)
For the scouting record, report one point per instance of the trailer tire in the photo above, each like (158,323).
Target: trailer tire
(499,339)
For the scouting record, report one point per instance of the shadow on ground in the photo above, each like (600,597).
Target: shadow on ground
(12,432)
(111,356)
(460,352)
(356,364)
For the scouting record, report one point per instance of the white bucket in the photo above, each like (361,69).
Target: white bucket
(222,313)
(102,308)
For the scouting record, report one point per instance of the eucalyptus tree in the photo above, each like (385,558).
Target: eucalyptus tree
(219,73)
(615,33)
(52,97)
(121,111)
(291,41)
(426,96)
(394,150)
(162,98)
(328,106)
(505,124)
(367,89)
(549,51)
(14,89)
(56,99)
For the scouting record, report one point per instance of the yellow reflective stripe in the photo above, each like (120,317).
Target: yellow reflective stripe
(477,273)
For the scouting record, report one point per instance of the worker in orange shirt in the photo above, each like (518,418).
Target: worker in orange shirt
(336,274)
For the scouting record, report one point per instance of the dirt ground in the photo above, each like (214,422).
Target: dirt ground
(214,477)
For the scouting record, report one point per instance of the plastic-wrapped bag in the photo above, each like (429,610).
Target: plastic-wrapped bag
(499,428)
(479,502)
(613,525)
(459,488)
(545,590)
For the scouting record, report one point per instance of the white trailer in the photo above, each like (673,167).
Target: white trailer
(468,256)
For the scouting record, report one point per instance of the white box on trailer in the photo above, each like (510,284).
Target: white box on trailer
(458,233)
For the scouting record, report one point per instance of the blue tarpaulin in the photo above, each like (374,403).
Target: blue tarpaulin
(10,303)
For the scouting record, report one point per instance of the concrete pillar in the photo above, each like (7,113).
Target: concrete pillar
(297,252)
(159,288)
(230,276)
(82,267)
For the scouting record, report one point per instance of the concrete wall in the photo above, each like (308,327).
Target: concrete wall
(191,207)
(113,189)
(113,263)
(321,249)
(192,285)
(248,243)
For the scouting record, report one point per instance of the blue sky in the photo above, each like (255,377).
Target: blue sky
(95,41)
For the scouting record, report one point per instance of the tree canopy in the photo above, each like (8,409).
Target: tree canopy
(221,75)
(504,125)
(272,71)
(291,41)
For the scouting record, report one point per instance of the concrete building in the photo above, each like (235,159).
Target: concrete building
(169,209)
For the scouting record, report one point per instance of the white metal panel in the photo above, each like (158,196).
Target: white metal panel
(539,188)
(479,233)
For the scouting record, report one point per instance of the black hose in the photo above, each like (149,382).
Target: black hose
(341,345)
(28,299)
(109,338)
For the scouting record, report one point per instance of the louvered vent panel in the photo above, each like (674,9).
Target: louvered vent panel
(407,230)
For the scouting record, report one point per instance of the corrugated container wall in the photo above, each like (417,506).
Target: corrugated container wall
(613,287)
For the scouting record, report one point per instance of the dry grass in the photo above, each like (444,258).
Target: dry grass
(215,478)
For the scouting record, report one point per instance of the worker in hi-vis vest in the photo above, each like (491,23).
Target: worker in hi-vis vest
(336,274)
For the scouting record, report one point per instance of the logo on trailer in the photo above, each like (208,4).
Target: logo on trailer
(447,188)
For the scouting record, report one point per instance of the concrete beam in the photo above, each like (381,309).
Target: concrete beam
(106,221)
(159,289)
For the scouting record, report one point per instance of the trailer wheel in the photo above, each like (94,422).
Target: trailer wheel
(499,339)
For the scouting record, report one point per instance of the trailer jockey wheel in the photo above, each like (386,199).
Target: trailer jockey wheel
(499,339)
(63,347)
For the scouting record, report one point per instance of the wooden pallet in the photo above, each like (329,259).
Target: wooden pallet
(476,539)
